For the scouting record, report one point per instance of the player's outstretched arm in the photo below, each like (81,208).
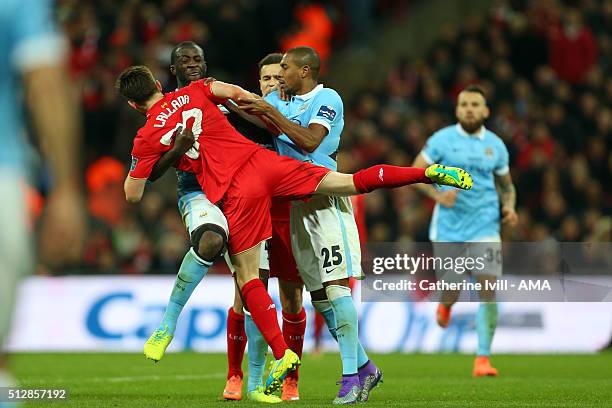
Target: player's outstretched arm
(259,121)
(307,138)
(223,90)
(234,94)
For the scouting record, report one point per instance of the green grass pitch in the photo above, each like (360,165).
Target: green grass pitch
(410,380)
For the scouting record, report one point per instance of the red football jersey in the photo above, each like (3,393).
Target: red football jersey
(219,149)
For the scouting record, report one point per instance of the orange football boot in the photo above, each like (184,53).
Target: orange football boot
(443,315)
(483,368)
(233,389)
(290,390)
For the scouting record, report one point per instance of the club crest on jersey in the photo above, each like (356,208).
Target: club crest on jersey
(327,112)
(134,163)
(489,152)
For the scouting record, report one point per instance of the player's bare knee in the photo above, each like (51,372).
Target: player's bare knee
(210,245)
(209,241)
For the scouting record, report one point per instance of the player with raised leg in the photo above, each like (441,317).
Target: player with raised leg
(246,176)
(468,222)
(325,239)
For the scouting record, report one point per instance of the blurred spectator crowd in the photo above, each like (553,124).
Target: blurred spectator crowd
(107,36)
(545,68)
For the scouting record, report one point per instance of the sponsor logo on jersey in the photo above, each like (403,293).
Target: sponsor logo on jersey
(489,152)
(326,112)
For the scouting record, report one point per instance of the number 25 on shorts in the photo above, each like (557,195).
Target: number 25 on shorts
(332,257)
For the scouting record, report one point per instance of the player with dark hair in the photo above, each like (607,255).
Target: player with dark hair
(469,222)
(246,176)
(204,221)
(199,215)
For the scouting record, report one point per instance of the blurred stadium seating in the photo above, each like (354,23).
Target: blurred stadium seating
(544,65)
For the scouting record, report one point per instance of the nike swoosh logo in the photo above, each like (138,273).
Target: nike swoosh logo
(330,270)
(183,280)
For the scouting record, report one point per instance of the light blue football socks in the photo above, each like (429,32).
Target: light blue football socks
(257,348)
(486,322)
(347,331)
(190,274)
(324,307)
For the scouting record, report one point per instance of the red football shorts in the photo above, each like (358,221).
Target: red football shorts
(280,254)
(248,199)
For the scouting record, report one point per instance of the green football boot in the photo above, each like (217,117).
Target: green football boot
(155,347)
(449,176)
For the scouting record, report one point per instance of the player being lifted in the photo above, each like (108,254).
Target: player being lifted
(188,64)
(204,221)
(324,234)
(471,218)
(246,176)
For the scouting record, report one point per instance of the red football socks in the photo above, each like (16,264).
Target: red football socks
(294,327)
(263,312)
(236,342)
(386,176)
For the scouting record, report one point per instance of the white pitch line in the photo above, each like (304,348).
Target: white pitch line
(169,377)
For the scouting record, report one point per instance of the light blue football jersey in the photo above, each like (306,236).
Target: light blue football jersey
(28,38)
(475,215)
(322,106)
